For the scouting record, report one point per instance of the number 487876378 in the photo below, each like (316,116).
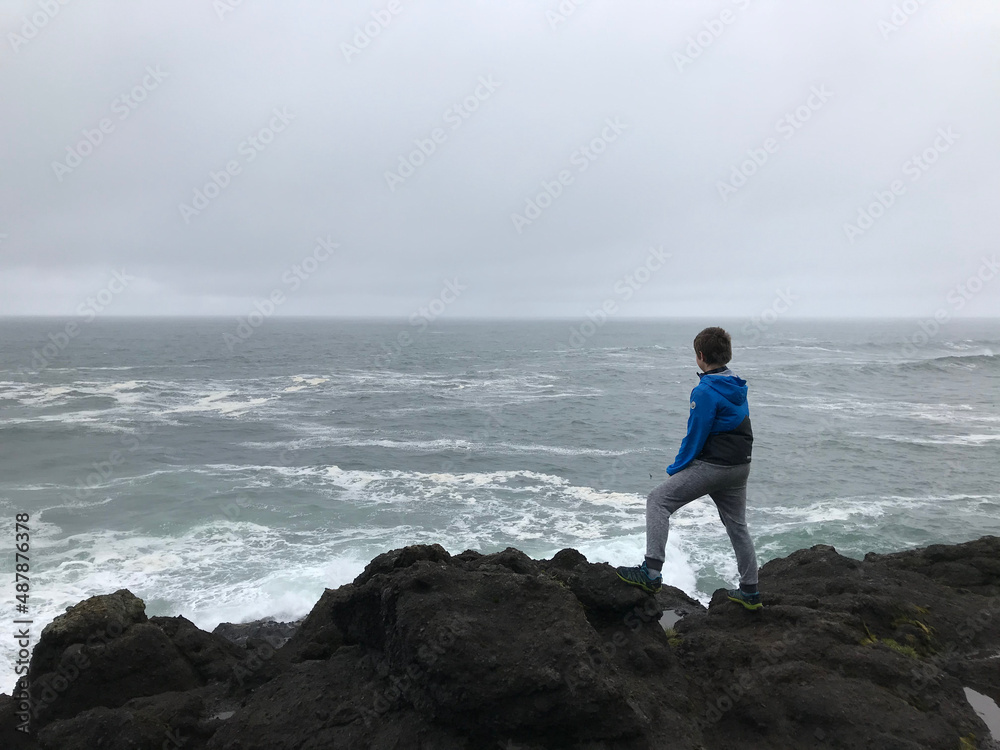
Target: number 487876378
(22,561)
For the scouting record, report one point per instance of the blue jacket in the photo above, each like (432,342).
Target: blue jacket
(718,430)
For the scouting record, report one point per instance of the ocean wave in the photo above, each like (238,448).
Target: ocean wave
(856,513)
(221,402)
(37,394)
(75,504)
(347,437)
(520,480)
(970,344)
(484,508)
(809,347)
(967,440)
(304,382)
(92,421)
(985,359)
(951,413)
(234,398)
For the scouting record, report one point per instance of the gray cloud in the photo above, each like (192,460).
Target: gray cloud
(655,185)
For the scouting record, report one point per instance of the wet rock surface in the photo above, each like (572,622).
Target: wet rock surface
(430,651)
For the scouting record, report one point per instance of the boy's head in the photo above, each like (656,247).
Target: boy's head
(713,347)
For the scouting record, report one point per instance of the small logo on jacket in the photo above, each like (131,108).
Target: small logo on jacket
(693,404)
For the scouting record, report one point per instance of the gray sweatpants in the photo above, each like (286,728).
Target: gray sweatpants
(727,486)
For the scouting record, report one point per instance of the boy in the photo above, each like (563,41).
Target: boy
(714,459)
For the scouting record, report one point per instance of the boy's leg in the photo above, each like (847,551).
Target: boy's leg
(732,504)
(693,481)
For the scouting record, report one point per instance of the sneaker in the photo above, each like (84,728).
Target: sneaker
(750,601)
(639,576)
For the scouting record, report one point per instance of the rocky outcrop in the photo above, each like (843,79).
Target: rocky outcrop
(103,652)
(273,632)
(847,653)
(432,651)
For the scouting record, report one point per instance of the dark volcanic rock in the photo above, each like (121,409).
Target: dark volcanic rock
(166,720)
(848,653)
(973,566)
(429,651)
(10,737)
(271,631)
(214,658)
(484,650)
(104,652)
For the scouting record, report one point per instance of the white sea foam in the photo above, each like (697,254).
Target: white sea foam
(968,440)
(74,503)
(947,413)
(485,510)
(304,382)
(346,437)
(96,421)
(139,399)
(218,401)
(123,394)
(481,509)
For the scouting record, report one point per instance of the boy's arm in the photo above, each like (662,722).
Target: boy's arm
(700,422)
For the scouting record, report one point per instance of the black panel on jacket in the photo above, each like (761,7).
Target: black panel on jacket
(729,448)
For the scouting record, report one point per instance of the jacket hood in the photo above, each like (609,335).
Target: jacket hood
(728,385)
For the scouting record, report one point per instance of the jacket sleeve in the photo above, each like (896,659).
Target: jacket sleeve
(700,422)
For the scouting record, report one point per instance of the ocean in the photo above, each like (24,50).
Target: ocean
(228,475)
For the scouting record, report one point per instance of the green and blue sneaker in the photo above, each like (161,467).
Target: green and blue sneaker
(640,576)
(750,601)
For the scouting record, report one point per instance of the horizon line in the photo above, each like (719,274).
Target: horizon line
(491,318)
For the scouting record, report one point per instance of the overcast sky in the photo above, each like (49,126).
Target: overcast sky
(634,113)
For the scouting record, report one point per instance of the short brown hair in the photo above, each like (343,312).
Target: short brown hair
(715,345)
